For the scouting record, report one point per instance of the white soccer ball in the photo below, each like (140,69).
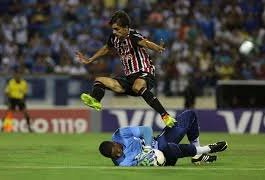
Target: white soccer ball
(246,47)
(160,158)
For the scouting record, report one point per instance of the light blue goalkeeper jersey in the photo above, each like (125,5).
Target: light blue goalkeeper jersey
(132,139)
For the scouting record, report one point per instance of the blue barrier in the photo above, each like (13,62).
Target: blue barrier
(51,89)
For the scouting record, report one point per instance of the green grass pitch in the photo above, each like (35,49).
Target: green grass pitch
(61,157)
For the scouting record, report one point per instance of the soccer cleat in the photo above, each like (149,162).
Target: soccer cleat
(218,147)
(203,158)
(168,120)
(90,101)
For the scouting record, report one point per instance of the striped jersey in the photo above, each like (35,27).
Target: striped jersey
(134,57)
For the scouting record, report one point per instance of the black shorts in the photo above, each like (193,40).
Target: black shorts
(14,103)
(127,81)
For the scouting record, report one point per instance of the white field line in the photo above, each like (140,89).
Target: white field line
(133,168)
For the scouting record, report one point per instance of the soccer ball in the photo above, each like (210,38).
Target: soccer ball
(246,47)
(160,158)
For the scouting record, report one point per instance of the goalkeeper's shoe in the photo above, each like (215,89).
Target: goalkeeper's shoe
(218,147)
(168,120)
(90,101)
(203,158)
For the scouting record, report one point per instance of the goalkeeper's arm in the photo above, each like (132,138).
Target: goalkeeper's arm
(143,132)
(147,134)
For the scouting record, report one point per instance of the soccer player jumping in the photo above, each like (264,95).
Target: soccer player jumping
(139,70)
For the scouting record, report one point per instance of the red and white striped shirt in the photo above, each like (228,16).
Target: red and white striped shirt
(134,57)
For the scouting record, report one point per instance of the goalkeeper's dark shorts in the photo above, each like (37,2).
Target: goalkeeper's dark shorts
(127,81)
(169,139)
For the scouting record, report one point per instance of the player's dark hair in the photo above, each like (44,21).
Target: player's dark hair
(121,18)
(105,148)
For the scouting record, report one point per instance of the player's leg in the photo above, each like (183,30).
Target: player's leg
(27,117)
(202,155)
(187,124)
(189,120)
(173,151)
(22,107)
(141,86)
(183,126)
(100,84)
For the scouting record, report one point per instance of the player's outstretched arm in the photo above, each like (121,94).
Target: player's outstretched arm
(85,60)
(151,45)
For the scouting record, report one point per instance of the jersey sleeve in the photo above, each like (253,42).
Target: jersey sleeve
(136,37)
(128,132)
(110,43)
(143,132)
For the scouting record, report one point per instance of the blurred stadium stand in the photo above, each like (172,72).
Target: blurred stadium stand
(201,37)
(62,90)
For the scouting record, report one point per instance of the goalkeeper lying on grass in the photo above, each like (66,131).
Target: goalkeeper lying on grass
(133,146)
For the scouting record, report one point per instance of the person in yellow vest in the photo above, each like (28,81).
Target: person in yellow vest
(16,90)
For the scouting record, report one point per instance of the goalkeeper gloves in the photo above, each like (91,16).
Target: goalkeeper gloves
(146,157)
(147,162)
(168,120)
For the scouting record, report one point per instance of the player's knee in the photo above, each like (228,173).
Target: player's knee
(190,113)
(137,89)
(138,85)
(100,79)
(99,82)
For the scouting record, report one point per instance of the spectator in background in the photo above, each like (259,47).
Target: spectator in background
(16,91)
(226,71)
(188,27)
(170,74)
(190,93)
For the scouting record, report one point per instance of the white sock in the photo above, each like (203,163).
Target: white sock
(202,149)
(195,142)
